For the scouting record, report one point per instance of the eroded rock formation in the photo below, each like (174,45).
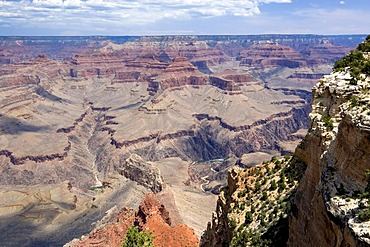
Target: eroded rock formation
(144,173)
(151,216)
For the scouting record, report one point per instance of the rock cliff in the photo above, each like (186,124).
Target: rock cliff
(253,209)
(328,202)
(331,196)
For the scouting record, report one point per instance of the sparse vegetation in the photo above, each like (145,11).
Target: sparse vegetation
(356,62)
(273,185)
(354,101)
(242,193)
(267,201)
(232,224)
(328,122)
(281,186)
(248,218)
(264,195)
(254,239)
(135,238)
(364,215)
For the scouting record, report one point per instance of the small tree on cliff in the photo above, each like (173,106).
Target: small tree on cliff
(134,238)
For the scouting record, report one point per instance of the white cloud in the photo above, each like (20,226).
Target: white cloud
(342,2)
(125,11)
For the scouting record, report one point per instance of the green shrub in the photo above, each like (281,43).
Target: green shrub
(356,61)
(257,186)
(277,166)
(271,217)
(242,193)
(267,169)
(240,239)
(273,185)
(264,195)
(134,238)
(364,215)
(276,210)
(248,218)
(253,209)
(354,101)
(232,224)
(365,46)
(328,122)
(281,185)
(263,222)
(258,241)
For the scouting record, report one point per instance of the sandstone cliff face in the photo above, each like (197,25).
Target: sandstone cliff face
(337,157)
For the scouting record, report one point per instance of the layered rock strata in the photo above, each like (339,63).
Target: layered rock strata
(335,151)
(329,206)
(155,114)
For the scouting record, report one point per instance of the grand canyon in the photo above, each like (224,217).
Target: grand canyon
(100,133)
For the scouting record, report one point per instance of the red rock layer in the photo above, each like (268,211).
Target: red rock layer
(153,217)
(324,53)
(271,54)
(150,217)
(110,235)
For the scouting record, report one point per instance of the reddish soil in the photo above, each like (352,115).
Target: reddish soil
(150,217)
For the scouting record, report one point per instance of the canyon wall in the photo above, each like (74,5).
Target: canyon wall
(167,115)
(329,202)
(327,199)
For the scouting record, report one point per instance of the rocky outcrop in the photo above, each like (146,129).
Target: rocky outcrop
(335,152)
(151,216)
(136,169)
(224,84)
(254,207)
(19,80)
(4,59)
(76,122)
(178,73)
(240,78)
(305,76)
(111,234)
(259,123)
(201,51)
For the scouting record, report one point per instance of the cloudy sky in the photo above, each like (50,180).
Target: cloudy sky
(161,17)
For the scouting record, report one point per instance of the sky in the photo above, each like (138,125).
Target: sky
(183,17)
